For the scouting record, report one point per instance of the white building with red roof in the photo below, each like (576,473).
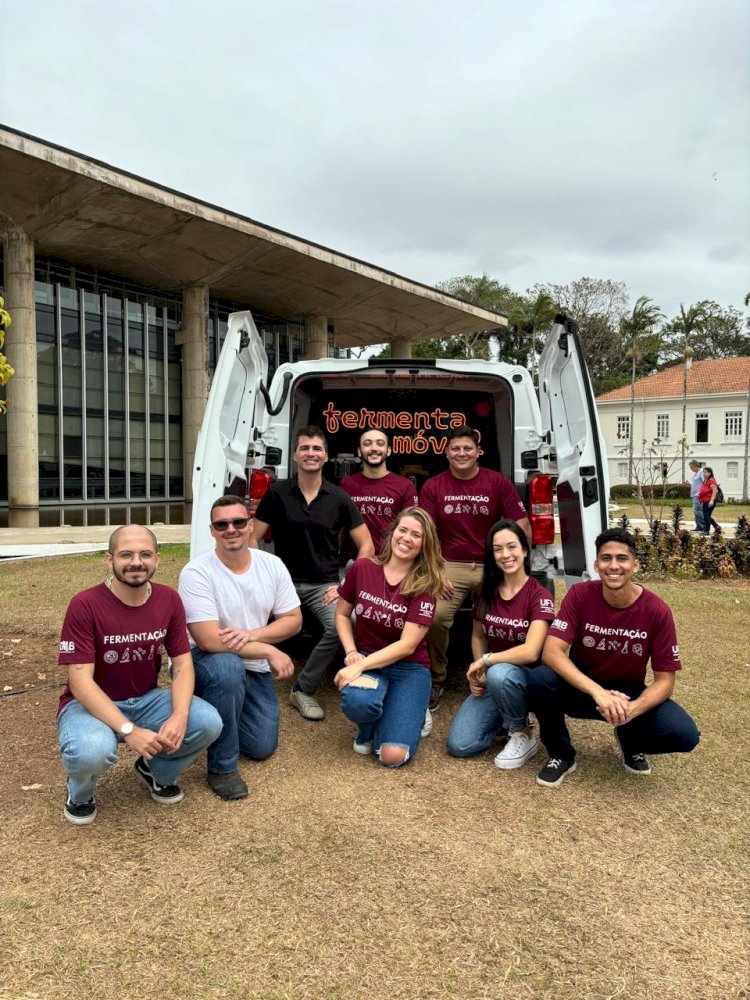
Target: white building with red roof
(716,420)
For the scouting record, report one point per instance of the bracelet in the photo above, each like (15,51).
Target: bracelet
(486,659)
(349,653)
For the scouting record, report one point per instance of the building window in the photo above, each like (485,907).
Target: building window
(701,428)
(733,470)
(623,428)
(622,470)
(733,425)
(662,426)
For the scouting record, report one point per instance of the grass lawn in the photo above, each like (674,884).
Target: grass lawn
(725,514)
(339,879)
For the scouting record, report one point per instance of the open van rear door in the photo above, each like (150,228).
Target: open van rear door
(571,427)
(234,420)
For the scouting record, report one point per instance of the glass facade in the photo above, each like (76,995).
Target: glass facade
(110,385)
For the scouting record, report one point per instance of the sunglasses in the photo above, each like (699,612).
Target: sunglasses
(238,523)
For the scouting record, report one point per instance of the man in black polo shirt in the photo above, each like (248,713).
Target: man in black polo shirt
(307,515)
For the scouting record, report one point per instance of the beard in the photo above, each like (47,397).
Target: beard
(118,575)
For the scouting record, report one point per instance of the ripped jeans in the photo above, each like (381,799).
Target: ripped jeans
(392,712)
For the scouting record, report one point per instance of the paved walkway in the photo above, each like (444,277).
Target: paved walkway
(29,543)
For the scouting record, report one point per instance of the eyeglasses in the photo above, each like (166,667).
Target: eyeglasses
(238,523)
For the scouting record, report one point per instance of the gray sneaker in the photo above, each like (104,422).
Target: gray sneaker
(307,706)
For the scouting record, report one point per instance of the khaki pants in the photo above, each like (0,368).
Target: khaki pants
(465,578)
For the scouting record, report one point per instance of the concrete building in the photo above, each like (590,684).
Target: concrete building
(716,396)
(120,289)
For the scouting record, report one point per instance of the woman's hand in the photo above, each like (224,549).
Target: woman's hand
(477,677)
(348,674)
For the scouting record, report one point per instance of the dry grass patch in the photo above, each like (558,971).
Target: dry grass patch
(339,879)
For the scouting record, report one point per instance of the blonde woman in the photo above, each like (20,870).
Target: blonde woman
(385,682)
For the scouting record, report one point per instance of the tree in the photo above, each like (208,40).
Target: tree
(6,371)
(687,328)
(479,291)
(638,329)
(530,316)
(721,333)
(598,305)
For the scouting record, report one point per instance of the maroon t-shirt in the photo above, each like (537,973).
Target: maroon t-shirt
(610,644)
(380,610)
(380,500)
(464,510)
(506,623)
(125,644)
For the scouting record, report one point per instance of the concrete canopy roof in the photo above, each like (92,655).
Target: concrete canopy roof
(90,213)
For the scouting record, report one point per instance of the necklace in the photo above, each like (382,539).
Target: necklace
(108,583)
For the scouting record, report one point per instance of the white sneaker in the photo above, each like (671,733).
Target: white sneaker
(427,724)
(516,751)
(307,706)
(364,749)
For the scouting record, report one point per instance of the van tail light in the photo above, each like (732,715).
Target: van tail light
(259,483)
(541,511)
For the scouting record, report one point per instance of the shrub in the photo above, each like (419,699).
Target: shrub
(627,491)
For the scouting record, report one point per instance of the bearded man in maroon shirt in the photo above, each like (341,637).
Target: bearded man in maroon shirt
(464,502)
(595,659)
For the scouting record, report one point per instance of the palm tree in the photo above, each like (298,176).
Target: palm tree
(686,325)
(639,325)
(531,315)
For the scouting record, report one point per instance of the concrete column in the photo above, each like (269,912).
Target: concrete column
(193,338)
(316,338)
(400,348)
(21,390)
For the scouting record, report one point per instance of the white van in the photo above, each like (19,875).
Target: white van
(549,445)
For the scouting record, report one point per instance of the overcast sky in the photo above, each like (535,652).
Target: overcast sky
(532,142)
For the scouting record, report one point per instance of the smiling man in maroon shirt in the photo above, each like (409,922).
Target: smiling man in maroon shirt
(595,657)
(464,502)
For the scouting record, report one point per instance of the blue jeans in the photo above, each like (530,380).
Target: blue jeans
(708,518)
(480,719)
(392,713)
(698,514)
(89,746)
(247,704)
(666,728)
(322,656)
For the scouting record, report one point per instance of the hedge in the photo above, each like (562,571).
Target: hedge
(627,491)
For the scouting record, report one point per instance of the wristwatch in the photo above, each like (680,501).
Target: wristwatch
(126,729)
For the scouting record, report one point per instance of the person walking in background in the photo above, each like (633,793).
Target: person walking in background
(696,481)
(707,498)
(385,681)
(378,493)
(511,618)
(464,502)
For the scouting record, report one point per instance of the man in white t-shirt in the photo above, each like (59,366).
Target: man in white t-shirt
(229,596)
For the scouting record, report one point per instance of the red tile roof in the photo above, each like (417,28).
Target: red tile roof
(704,379)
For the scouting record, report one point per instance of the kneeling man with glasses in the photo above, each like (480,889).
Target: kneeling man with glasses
(230,595)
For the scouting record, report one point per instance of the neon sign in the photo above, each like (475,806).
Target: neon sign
(420,421)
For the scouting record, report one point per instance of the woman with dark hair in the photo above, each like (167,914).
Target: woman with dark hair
(707,498)
(385,682)
(511,619)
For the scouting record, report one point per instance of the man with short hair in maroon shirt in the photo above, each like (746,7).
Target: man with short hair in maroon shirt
(595,657)
(464,502)
(112,642)
(380,494)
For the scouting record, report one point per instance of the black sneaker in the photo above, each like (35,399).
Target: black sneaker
(636,763)
(227,786)
(167,795)
(553,772)
(435,695)
(80,814)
